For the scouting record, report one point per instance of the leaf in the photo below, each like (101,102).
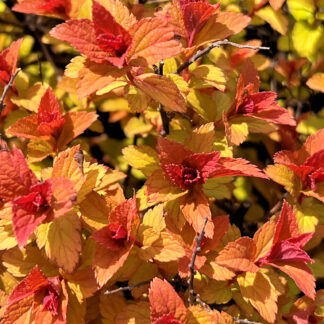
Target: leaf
(95,77)
(276,19)
(26,127)
(138,312)
(256,289)
(195,209)
(158,189)
(164,300)
(154,218)
(142,157)
(15,176)
(161,89)
(302,9)
(263,239)
(75,124)
(94,211)
(63,243)
(307,39)
(198,315)
(236,133)
(107,262)
(316,82)
(153,41)
(221,26)
(286,177)
(239,255)
(80,33)
(38,150)
(209,74)
(301,274)
(201,139)
(7,236)
(120,12)
(161,246)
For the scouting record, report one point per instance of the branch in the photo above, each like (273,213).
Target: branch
(206,50)
(6,89)
(164,116)
(192,263)
(131,287)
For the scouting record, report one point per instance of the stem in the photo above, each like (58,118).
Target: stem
(192,263)
(6,89)
(164,116)
(205,51)
(131,287)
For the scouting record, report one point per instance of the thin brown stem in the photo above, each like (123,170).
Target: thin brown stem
(206,50)
(131,287)
(6,89)
(192,263)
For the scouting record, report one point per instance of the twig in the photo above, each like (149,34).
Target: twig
(131,287)
(6,89)
(206,50)
(244,321)
(192,263)
(164,116)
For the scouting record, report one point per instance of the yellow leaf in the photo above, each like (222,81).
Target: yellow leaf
(135,126)
(276,19)
(112,86)
(7,236)
(302,9)
(138,101)
(198,315)
(94,211)
(63,243)
(19,262)
(203,105)
(134,313)
(316,82)
(30,98)
(110,306)
(286,177)
(161,247)
(218,188)
(256,289)
(154,218)
(236,133)
(201,139)
(38,150)
(208,75)
(142,157)
(307,40)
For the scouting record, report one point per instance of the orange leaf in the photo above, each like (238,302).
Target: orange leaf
(153,41)
(316,82)
(67,166)
(276,4)
(76,122)
(220,26)
(26,127)
(164,300)
(108,262)
(239,255)
(162,90)
(195,208)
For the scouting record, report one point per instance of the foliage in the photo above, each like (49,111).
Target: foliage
(161,161)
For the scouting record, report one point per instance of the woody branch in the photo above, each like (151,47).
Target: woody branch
(6,89)
(130,287)
(192,263)
(206,50)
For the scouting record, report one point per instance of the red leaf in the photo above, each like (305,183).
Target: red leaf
(195,14)
(15,176)
(287,226)
(10,54)
(111,36)
(301,274)
(49,116)
(31,210)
